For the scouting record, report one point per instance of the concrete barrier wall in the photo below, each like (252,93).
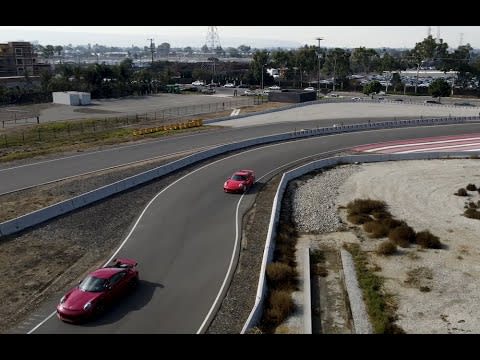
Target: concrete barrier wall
(50,212)
(329,101)
(256,313)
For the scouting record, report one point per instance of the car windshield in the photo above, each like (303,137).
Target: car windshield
(239,177)
(93,284)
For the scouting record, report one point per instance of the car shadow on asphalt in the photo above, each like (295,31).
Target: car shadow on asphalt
(133,301)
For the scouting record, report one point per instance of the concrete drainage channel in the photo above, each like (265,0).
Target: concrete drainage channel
(361,323)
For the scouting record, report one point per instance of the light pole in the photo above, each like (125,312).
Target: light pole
(295,76)
(262,74)
(318,55)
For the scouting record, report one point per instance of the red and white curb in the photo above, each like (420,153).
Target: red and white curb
(467,142)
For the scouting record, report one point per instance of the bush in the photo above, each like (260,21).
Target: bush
(380,215)
(358,219)
(427,240)
(378,230)
(280,305)
(391,223)
(369,226)
(402,235)
(461,192)
(365,206)
(472,214)
(281,276)
(471,187)
(386,248)
(472,205)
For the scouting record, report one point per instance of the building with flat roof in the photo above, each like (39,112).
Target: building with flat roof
(17,58)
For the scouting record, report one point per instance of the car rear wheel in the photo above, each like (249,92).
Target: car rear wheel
(134,283)
(100,308)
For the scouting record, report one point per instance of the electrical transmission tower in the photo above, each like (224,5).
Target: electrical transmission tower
(213,41)
(429,31)
(461,39)
(438,32)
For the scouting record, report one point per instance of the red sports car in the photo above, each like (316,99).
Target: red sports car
(240,181)
(98,290)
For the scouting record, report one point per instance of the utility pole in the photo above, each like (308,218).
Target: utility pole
(152,48)
(318,55)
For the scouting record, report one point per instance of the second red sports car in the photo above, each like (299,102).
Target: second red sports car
(98,290)
(240,181)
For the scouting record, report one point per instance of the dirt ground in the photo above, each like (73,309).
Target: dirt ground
(436,290)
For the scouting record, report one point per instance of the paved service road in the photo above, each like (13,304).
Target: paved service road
(187,235)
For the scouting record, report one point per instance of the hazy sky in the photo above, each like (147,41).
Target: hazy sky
(254,36)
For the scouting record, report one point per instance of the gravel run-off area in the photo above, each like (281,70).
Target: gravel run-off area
(420,192)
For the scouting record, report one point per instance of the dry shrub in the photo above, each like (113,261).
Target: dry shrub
(461,192)
(471,187)
(369,226)
(380,215)
(365,206)
(285,253)
(358,219)
(402,235)
(378,230)
(280,305)
(427,240)
(472,205)
(281,276)
(386,248)
(472,213)
(392,223)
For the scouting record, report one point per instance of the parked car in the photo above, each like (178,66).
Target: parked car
(240,181)
(249,92)
(208,91)
(275,87)
(356,98)
(100,289)
(432,102)
(198,83)
(397,99)
(310,88)
(229,85)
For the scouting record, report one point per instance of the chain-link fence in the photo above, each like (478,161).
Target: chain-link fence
(11,118)
(107,127)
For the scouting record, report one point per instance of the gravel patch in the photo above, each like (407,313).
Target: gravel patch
(313,199)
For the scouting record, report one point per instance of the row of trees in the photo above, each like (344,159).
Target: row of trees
(300,66)
(339,63)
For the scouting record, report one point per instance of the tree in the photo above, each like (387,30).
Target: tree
(188,50)
(205,49)
(372,87)
(163,49)
(58,50)
(48,51)
(244,49)
(396,81)
(439,88)
(362,60)
(260,58)
(233,52)
(337,64)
